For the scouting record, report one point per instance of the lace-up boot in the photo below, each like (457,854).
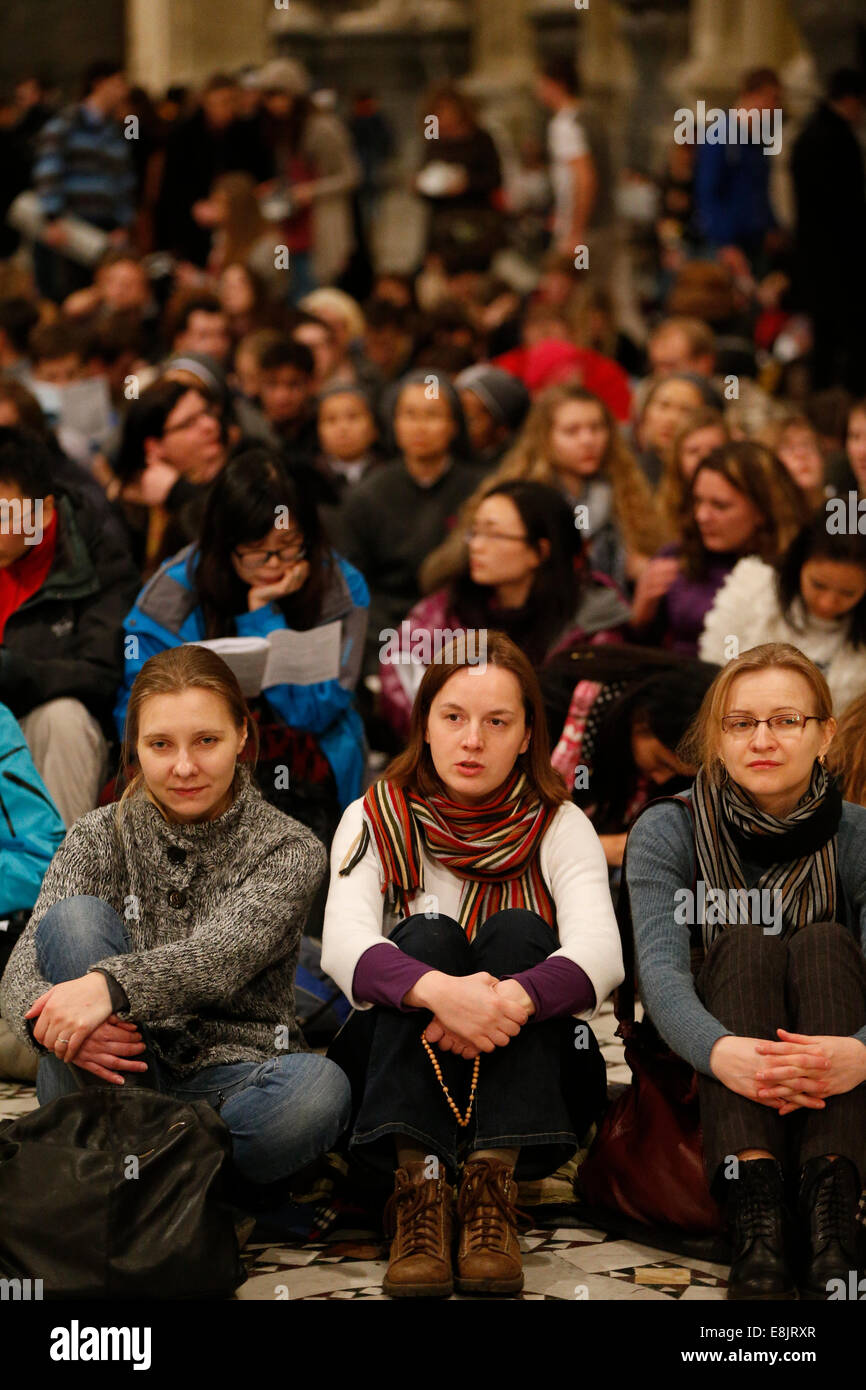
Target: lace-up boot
(759,1225)
(488,1254)
(829,1195)
(418,1217)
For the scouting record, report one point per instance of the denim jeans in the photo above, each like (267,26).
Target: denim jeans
(282,1113)
(540,1093)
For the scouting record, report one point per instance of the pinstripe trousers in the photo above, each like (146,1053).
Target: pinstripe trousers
(813,981)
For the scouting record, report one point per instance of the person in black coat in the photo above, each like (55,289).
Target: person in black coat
(66,584)
(830,189)
(210,142)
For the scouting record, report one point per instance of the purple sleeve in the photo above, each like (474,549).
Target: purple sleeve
(556,986)
(384,976)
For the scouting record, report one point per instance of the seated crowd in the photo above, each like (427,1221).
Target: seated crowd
(447,598)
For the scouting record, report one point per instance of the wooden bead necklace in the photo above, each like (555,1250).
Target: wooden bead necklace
(462,1120)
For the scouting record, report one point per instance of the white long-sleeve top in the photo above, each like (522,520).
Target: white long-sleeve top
(747,607)
(572,863)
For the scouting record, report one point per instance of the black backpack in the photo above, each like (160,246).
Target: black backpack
(118,1192)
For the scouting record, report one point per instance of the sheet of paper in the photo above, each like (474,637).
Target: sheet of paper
(302,658)
(247,657)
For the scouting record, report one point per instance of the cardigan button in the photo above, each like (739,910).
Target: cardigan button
(177,898)
(175,854)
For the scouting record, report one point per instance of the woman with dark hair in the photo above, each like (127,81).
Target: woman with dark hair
(618,746)
(526,576)
(748,901)
(250,575)
(814,598)
(469,911)
(396,515)
(162,947)
(742,502)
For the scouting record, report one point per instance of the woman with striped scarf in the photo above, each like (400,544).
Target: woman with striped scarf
(749,909)
(469,919)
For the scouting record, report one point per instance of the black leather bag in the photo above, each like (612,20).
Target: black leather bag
(118,1192)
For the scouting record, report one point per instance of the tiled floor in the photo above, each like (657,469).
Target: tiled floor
(561,1263)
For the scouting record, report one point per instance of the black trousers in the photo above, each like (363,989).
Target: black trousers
(812,982)
(540,1093)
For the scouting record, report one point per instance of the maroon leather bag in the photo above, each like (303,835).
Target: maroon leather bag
(647,1158)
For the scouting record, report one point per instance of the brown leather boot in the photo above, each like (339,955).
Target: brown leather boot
(418,1216)
(488,1255)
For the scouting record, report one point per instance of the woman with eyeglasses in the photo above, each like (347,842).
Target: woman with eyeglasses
(749,907)
(263,565)
(526,576)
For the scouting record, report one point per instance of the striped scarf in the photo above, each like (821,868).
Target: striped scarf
(798,854)
(494,847)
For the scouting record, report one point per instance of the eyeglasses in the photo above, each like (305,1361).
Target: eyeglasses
(208,412)
(741,725)
(475,535)
(256,558)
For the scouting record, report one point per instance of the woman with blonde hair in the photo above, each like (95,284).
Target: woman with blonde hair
(571,441)
(749,907)
(700,432)
(163,944)
(469,911)
(742,502)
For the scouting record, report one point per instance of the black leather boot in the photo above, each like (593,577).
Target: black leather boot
(829,1197)
(760,1226)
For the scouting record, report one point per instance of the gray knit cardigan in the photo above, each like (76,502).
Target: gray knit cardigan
(214,926)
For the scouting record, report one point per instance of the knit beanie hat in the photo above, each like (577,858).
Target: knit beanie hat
(501,394)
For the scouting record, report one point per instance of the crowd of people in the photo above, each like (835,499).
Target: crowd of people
(509,576)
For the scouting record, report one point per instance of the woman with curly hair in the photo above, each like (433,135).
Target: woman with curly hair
(743,501)
(571,441)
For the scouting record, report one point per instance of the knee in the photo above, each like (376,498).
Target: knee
(325,1101)
(513,939)
(62,719)
(76,923)
(749,943)
(438,941)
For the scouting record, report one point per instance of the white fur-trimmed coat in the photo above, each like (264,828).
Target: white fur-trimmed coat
(747,607)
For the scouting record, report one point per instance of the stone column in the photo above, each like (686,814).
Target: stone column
(186,40)
(502,42)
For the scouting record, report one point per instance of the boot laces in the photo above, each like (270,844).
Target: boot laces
(758,1205)
(414,1212)
(485,1208)
(833,1217)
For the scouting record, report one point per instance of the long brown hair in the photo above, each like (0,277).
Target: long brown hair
(170,673)
(701,744)
(634,507)
(755,472)
(413,768)
(847,755)
(245,224)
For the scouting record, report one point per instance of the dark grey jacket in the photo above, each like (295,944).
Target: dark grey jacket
(214,913)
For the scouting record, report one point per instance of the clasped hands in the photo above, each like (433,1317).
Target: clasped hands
(471,1013)
(96,1040)
(798,1072)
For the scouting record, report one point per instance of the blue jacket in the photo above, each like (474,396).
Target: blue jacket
(732,194)
(30,826)
(165,615)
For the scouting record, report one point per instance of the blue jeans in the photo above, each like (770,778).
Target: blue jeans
(282,1113)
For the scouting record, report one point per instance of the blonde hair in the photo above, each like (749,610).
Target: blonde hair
(339,304)
(170,673)
(847,755)
(634,507)
(700,745)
